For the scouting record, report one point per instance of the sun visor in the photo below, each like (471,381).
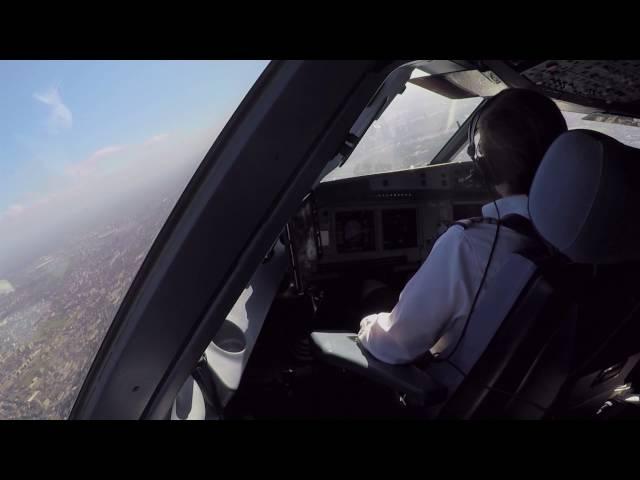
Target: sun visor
(464,84)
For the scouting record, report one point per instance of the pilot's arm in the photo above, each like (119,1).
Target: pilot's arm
(434,302)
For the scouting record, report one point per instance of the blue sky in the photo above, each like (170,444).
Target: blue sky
(55,115)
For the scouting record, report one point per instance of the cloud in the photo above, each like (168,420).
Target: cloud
(95,164)
(15,209)
(92,163)
(104,152)
(60,117)
(156,138)
(12,211)
(69,207)
(90,189)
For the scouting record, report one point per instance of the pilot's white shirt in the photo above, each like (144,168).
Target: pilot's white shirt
(433,306)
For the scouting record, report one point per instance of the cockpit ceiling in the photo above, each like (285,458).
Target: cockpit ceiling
(610,81)
(596,85)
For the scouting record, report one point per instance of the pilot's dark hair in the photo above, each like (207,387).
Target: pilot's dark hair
(516,129)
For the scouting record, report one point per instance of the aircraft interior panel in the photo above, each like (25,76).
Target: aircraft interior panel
(231,348)
(389,220)
(351,247)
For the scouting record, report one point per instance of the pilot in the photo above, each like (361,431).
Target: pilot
(512,134)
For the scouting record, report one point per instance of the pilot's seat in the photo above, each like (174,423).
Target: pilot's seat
(567,340)
(558,330)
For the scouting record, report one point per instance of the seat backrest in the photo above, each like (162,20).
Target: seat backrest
(579,203)
(526,362)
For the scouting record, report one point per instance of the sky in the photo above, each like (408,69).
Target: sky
(64,121)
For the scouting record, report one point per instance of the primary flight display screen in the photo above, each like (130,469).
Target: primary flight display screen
(355,231)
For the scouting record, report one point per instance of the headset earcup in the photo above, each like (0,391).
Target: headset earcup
(471,151)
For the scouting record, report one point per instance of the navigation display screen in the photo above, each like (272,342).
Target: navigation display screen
(399,228)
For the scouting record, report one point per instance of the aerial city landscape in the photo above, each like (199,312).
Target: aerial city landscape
(55,312)
(61,289)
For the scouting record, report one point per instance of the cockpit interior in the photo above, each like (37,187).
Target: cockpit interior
(357,239)
(566,342)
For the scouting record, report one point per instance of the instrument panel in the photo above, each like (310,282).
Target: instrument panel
(387,220)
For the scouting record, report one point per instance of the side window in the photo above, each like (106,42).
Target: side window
(462,155)
(627,134)
(409,134)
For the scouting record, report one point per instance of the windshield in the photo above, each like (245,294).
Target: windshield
(409,133)
(95,156)
(418,123)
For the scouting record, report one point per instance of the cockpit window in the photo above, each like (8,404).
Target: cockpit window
(95,156)
(627,134)
(409,133)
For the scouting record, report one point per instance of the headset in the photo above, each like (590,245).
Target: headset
(483,170)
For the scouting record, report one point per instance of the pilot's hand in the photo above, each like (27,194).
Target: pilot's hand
(364,323)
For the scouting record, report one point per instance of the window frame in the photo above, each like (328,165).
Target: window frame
(157,337)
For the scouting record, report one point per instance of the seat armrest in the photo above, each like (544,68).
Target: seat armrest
(342,350)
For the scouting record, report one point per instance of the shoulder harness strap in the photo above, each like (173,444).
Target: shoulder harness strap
(515,222)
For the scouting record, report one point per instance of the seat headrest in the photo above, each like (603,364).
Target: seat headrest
(585,198)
